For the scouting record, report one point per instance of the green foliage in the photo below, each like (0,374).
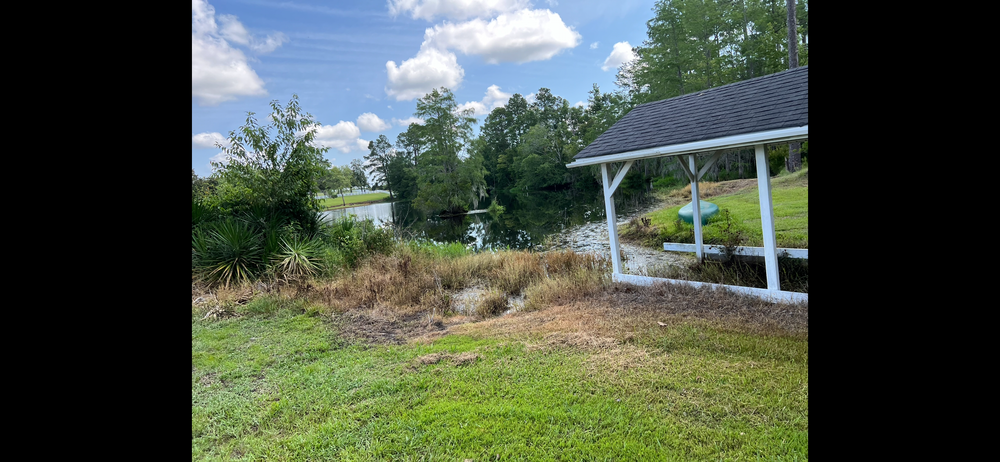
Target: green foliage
(496,209)
(776,157)
(445,182)
(228,253)
(378,158)
(667,182)
(403,176)
(358,177)
(202,187)
(274,166)
(693,45)
(297,256)
(356,239)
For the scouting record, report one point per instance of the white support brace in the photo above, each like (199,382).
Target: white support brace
(708,165)
(621,174)
(696,219)
(684,167)
(802,254)
(780,296)
(609,208)
(767,218)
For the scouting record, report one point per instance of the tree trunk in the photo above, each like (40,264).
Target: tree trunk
(794,161)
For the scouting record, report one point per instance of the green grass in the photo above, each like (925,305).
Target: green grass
(279,384)
(336,202)
(790,196)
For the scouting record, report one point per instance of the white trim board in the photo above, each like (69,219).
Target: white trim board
(781,296)
(729,142)
(745,251)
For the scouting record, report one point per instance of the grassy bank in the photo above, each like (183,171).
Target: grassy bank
(380,364)
(790,197)
(352,201)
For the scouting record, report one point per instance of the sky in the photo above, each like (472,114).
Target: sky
(359,67)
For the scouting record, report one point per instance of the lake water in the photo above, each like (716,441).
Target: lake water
(526,223)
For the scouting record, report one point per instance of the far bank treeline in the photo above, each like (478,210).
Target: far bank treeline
(440,166)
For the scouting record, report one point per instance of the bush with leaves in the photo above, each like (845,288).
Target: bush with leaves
(274,167)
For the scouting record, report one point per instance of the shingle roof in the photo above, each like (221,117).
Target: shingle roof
(765,103)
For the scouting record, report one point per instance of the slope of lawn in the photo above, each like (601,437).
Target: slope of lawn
(338,202)
(790,197)
(279,382)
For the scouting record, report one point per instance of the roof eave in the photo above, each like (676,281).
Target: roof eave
(729,142)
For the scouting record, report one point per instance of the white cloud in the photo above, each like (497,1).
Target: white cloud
(622,53)
(369,122)
(520,36)
(233,30)
(269,43)
(417,76)
(593,45)
(494,98)
(454,9)
(220,72)
(580,104)
(343,136)
(219,158)
(209,140)
(407,121)
(362,144)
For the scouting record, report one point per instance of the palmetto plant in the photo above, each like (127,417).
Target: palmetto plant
(297,256)
(228,253)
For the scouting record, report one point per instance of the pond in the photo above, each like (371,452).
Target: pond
(528,220)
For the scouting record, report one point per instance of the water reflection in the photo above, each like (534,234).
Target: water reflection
(528,219)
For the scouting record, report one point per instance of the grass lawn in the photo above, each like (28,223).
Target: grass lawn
(790,196)
(336,202)
(281,382)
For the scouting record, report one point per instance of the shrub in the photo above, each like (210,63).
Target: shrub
(297,257)
(666,182)
(496,209)
(229,252)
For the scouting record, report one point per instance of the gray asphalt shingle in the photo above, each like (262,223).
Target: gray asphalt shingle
(765,103)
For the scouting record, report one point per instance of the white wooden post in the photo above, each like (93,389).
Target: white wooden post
(767,218)
(609,208)
(696,208)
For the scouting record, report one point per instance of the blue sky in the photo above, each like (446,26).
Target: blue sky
(358,67)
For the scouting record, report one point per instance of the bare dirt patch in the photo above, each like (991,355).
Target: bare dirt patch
(383,325)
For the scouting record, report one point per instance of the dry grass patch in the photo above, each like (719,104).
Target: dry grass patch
(623,312)
(460,359)
(493,303)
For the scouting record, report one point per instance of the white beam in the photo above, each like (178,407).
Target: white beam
(684,167)
(696,208)
(621,174)
(765,294)
(767,218)
(708,164)
(729,142)
(802,254)
(609,208)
